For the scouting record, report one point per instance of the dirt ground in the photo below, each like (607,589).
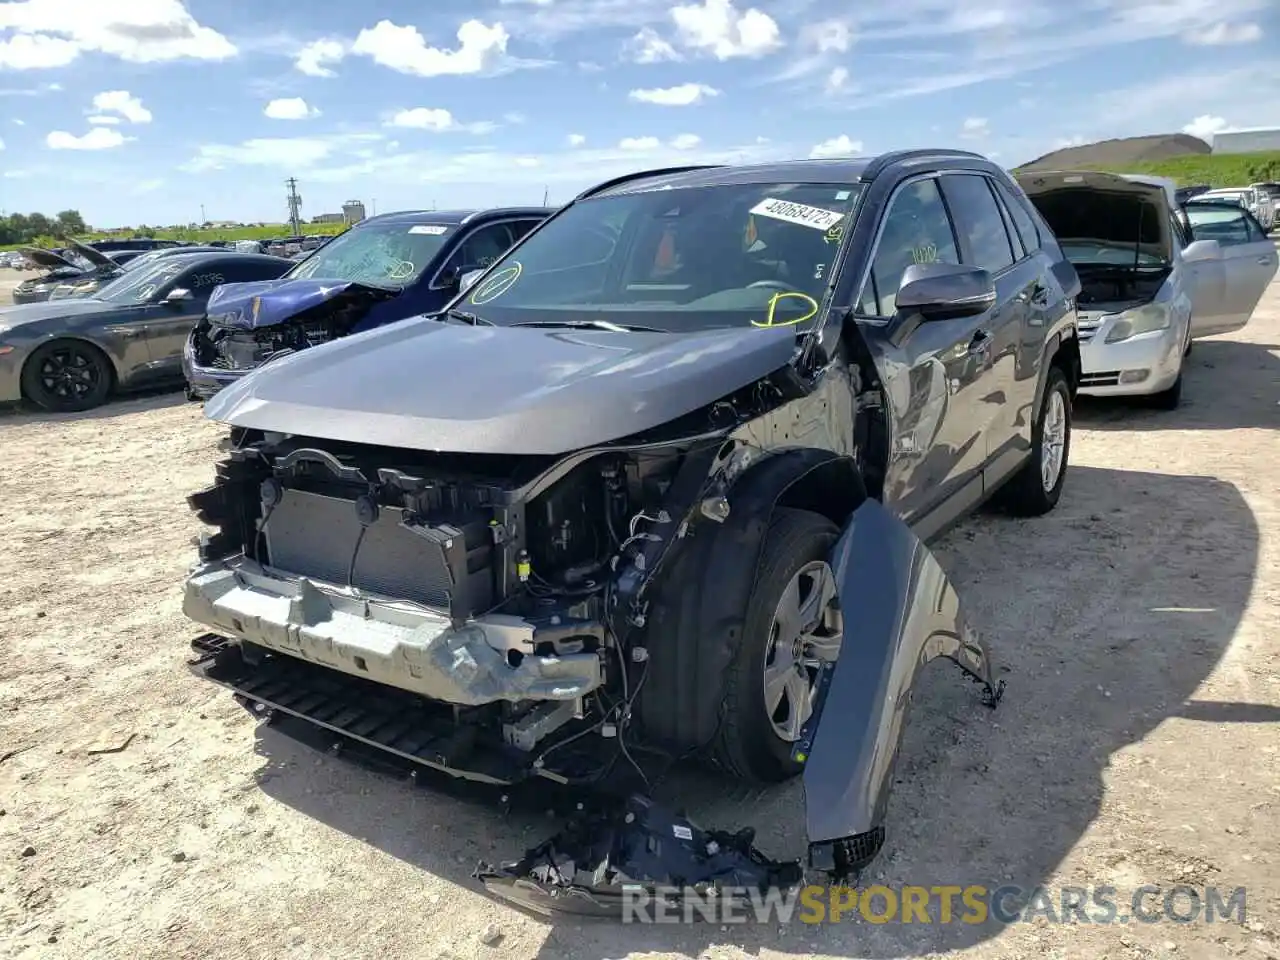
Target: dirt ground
(1139,625)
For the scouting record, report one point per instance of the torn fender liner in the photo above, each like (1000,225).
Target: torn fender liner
(623,862)
(265,303)
(900,612)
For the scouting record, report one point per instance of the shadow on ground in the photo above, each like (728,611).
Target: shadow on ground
(1250,371)
(153,399)
(1070,607)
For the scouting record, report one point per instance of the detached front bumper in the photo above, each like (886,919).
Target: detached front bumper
(1141,365)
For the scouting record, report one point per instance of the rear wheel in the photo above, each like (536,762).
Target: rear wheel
(1037,487)
(792,625)
(67,376)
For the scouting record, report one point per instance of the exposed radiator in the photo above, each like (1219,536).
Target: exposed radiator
(313,535)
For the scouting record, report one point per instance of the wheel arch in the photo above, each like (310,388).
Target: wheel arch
(693,635)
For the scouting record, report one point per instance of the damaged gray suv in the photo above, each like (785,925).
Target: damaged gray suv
(654,485)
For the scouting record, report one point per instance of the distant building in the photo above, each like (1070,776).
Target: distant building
(1251,140)
(353,211)
(330,218)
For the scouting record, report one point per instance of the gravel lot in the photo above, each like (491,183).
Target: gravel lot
(1139,626)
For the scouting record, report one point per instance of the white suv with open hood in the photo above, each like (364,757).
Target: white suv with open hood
(1153,276)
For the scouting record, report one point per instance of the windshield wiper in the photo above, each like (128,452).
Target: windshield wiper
(591,325)
(474,319)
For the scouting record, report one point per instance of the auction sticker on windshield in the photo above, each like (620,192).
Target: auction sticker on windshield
(806,216)
(430,229)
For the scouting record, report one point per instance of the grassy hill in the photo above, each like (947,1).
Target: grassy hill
(204,236)
(1183,158)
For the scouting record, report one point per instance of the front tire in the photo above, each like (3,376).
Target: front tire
(791,618)
(67,376)
(1169,398)
(1037,487)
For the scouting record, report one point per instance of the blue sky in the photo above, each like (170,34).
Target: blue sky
(144,110)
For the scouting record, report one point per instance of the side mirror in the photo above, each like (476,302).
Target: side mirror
(466,280)
(1202,250)
(179,295)
(942,291)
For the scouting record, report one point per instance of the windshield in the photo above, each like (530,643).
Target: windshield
(141,285)
(675,260)
(381,255)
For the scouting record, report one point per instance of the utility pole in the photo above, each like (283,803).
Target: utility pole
(203,218)
(546,193)
(295,204)
(375,206)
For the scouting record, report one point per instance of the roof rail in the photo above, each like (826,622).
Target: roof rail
(878,165)
(642,174)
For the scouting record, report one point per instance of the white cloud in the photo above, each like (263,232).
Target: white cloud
(639,143)
(404,49)
(26,51)
(283,152)
(121,102)
(528,162)
(53,33)
(1,144)
(1222,34)
(684,95)
(424,118)
(289,108)
(686,141)
(1205,127)
(832,36)
(836,79)
(975,128)
(647,47)
(1075,140)
(99,138)
(437,120)
(840,146)
(716,27)
(23,123)
(104,121)
(576,139)
(312,58)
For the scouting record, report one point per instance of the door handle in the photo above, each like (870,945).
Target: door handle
(1265,261)
(981,340)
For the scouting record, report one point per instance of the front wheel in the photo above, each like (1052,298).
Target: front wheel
(67,376)
(793,624)
(1037,487)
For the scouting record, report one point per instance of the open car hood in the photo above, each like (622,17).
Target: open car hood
(47,258)
(95,257)
(1109,209)
(431,385)
(265,303)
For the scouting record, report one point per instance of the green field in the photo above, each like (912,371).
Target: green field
(204,236)
(1216,170)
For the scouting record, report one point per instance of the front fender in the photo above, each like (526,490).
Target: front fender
(900,612)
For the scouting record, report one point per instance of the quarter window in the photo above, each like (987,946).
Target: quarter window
(916,230)
(978,221)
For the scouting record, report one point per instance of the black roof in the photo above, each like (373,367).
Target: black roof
(842,170)
(455,217)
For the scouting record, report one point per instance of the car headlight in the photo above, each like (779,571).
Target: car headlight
(1144,319)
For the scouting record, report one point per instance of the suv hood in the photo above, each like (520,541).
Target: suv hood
(429,385)
(1106,208)
(265,303)
(95,257)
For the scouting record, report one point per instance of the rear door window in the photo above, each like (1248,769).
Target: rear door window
(984,239)
(1022,222)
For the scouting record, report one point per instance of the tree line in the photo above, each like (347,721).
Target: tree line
(29,227)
